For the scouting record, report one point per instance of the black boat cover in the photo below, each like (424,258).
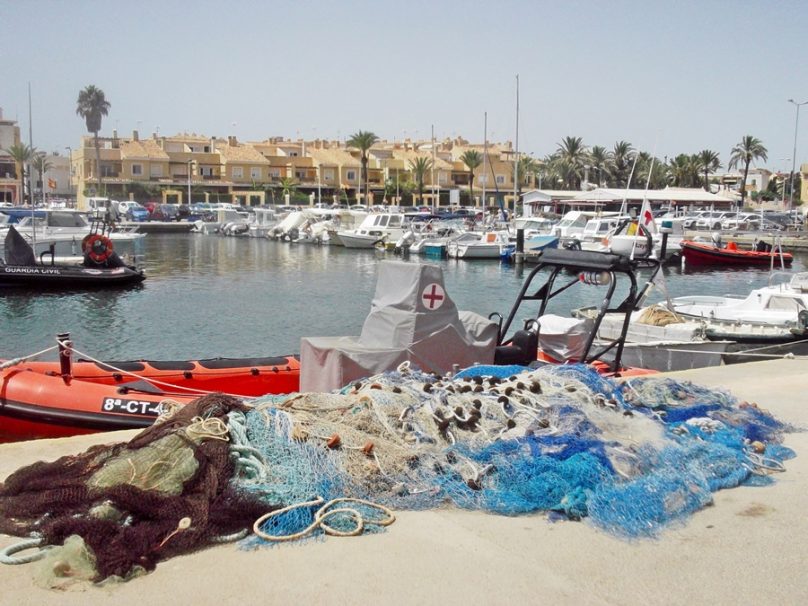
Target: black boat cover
(18,251)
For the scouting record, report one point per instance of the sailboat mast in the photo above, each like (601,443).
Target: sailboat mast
(485,156)
(516,155)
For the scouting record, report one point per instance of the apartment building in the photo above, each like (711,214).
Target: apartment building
(174,169)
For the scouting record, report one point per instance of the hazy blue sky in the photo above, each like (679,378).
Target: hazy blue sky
(675,76)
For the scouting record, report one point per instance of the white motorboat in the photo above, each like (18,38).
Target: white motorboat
(377,228)
(775,313)
(487,245)
(628,241)
(65,229)
(658,339)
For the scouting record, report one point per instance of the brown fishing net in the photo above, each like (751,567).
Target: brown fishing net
(165,492)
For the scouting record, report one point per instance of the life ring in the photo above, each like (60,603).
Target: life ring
(97,247)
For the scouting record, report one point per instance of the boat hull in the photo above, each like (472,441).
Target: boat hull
(34,405)
(36,402)
(67,276)
(697,253)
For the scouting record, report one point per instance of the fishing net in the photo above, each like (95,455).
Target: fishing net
(129,505)
(632,457)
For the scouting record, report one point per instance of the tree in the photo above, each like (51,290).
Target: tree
(622,160)
(600,160)
(708,162)
(92,105)
(524,167)
(683,170)
(572,156)
(42,165)
(747,151)
(21,154)
(472,159)
(363,140)
(420,166)
(288,186)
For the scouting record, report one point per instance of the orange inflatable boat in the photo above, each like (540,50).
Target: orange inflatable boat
(57,399)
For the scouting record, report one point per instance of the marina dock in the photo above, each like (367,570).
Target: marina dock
(747,548)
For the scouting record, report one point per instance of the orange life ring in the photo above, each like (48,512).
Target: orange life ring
(97,247)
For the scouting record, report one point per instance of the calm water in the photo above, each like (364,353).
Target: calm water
(209,296)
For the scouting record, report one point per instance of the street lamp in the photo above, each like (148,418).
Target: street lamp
(69,171)
(190,168)
(794,155)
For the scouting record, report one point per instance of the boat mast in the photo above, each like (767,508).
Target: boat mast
(30,184)
(516,154)
(485,156)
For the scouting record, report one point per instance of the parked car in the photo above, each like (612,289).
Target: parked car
(165,212)
(132,211)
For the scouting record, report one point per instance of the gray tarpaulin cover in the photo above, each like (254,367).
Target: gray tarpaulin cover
(411,318)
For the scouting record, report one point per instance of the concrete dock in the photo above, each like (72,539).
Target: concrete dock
(750,547)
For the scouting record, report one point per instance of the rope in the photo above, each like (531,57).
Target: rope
(150,380)
(322,514)
(15,361)
(6,554)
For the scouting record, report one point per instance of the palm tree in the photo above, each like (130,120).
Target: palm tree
(526,166)
(622,159)
(683,170)
(709,163)
(288,186)
(472,159)
(21,154)
(419,167)
(572,156)
(363,140)
(747,151)
(92,105)
(42,165)
(600,160)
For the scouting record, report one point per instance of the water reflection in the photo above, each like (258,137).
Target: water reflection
(208,296)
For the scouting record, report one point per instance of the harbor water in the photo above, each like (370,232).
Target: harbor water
(210,296)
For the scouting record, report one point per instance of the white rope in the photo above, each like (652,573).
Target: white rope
(322,514)
(15,361)
(152,381)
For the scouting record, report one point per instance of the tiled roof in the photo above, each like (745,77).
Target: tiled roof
(409,156)
(333,157)
(142,150)
(241,153)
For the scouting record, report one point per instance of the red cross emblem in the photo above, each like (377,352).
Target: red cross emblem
(433,296)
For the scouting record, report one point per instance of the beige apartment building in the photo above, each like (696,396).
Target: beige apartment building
(197,168)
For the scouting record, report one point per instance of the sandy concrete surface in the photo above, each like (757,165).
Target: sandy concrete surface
(749,548)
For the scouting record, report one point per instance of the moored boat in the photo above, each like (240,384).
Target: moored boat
(101,266)
(41,399)
(703,253)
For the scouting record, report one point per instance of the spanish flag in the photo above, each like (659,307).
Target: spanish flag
(52,183)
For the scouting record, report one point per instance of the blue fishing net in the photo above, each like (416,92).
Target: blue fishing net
(632,457)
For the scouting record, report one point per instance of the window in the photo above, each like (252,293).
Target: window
(351,175)
(482,179)
(238,172)
(255,172)
(137,169)
(500,179)
(328,174)
(206,171)
(300,175)
(156,170)
(442,178)
(275,173)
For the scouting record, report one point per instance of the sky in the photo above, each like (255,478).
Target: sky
(670,77)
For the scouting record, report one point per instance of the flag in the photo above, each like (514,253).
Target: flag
(646,217)
(52,183)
